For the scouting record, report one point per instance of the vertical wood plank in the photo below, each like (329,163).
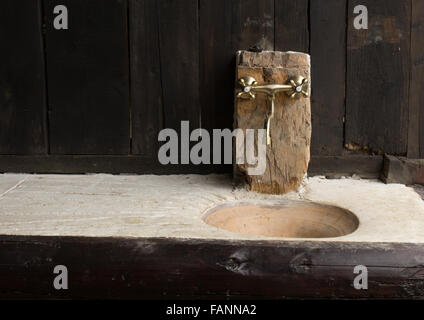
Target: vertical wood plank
(146,87)
(88,83)
(179,57)
(378,63)
(252,24)
(416,94)
(22,79)
(328,58)
(291,25)
(226,27)
(217,65)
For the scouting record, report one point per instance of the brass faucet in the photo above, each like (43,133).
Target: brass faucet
(296,87)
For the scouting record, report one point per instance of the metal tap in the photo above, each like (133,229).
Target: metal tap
(295,88)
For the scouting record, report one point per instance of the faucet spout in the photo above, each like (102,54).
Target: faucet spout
(269,118)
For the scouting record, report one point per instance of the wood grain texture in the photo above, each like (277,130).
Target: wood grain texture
(191,41)
(288,155)
(123,164)
(22,79)
(179,59)
(378,63)
(216,64)
(88,83)
(416,94)
(291,25)
(242,25)
(328,57)
(146,81)
(402,170)
(332,166)
(194,269)
(252,24)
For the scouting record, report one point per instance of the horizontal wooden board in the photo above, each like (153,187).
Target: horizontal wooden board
(70,164)
(403,170)
(336,166)
(184,268)
(364,166)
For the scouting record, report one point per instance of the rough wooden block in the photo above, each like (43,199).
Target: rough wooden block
(288,155)
(402,170)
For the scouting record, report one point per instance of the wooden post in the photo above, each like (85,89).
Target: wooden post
(288,155)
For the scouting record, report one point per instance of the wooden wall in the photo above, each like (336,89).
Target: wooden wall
(93,98)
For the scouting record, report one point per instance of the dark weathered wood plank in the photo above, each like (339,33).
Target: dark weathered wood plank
(87,74)
(402,170)
(378,64)
(252,24)
(146,87)
(179,58)
(217,66)
(328,56)
(184,268)
(416,94)
(336,166)
(333,166)
(226,27)
(291,25)
(80,164)
(22,79)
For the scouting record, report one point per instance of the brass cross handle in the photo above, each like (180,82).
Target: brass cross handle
(295,88)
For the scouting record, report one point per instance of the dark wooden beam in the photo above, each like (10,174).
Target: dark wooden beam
(336,166)
(403,170)
(100,164)
(364,166)
(182,268)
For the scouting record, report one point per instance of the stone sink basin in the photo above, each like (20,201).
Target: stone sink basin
(283,218)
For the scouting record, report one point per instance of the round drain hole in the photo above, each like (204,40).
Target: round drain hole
(285,218)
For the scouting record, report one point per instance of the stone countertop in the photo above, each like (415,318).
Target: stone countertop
(172,206)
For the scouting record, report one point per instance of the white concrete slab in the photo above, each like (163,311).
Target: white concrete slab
(172,206)
(9,182)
